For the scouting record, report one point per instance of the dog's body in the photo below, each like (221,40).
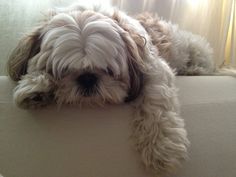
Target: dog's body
(91,57)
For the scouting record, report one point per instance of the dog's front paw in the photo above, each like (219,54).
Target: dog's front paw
(34,100)
(161,140)
(164,156)
(33,91)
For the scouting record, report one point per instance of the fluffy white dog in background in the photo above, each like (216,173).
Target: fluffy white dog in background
(86,56)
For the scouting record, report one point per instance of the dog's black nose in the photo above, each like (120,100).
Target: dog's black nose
(87,82)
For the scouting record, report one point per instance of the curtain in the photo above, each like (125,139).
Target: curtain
(213,19)
(230,47)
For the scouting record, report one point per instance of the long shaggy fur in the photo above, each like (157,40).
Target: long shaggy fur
(124,59)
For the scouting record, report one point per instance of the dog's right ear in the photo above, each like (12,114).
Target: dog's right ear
(135,63)
(27,47)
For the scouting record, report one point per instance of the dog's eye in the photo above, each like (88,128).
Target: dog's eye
(110,72)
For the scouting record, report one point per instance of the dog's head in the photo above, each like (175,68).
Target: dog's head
(91,58)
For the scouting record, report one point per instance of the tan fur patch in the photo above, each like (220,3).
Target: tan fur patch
(140,41)
(159,34)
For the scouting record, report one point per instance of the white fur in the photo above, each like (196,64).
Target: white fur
(72,45)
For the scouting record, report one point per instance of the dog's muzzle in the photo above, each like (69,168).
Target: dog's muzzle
(87,83)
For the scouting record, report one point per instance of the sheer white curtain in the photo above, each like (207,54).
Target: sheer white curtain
(214,19)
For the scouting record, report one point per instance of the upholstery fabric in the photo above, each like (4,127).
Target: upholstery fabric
(72,142)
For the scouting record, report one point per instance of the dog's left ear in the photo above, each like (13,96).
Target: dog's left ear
(135,64)
(135,56)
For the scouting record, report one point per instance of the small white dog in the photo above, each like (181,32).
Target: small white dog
(87,56)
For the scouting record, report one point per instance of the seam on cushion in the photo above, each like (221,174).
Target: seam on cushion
(215,102)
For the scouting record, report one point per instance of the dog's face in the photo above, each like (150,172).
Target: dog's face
(87,57)
(90,58)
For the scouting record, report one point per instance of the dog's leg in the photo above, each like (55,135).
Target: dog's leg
(158,130)
(34,90)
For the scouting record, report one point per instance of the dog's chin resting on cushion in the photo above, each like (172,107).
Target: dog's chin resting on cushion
(87,56)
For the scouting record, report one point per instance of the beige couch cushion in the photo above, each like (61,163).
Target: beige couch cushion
(96,142)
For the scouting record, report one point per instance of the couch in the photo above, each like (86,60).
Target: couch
(72,142)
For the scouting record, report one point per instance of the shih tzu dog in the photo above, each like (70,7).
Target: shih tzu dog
(88,56)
